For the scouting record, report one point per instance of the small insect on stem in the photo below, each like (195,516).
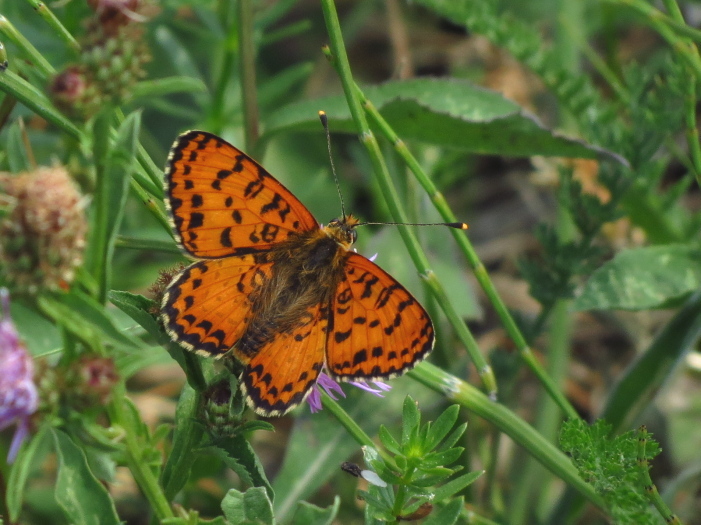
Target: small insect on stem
(325,122)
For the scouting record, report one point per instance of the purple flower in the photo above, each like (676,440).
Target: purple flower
(18,394)
(330,386)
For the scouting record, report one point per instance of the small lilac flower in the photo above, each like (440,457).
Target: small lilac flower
(330,386)
(378,391)
(18,394)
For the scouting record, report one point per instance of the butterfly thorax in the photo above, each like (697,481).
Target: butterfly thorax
(306,269)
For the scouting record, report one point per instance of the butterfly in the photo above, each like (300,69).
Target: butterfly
(286,296)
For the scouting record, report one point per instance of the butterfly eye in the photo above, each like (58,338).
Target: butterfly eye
(353,236)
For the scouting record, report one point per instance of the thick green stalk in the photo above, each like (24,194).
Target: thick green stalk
(48,16)
(352,427)
(17,38)
(521,432)
(368,140)
(530,475)
(247,64)
(225,70)
(98,231)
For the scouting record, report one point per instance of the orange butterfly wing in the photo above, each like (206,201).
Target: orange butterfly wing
(377,329)
(207,307)
(282,372)
(224,203)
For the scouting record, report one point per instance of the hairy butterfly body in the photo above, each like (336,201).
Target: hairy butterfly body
(283,295)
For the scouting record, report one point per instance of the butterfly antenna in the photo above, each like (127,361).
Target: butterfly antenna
(456,225)
(325,122)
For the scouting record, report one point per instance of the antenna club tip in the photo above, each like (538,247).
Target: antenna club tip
(458,225)
(322,115)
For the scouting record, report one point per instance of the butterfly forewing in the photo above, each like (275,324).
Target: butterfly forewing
(224,203)
(208,305)
(378,329)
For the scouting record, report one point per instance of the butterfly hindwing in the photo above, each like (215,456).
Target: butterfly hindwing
(377,329)
(207,307)
(280,374)
(224,203)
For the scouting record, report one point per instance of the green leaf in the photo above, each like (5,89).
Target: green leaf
(121,163)
(453,438)
(84,317)
(20,472)
(388,440)
(441,427)
(643,278)
(187,436)
(40,335)
(165,86)
(16,150)
(443,112)
(456,485)
(248,508)
(446,515)
(644,377)
(411,418)
(137,307)
(308,514)
(36,101)
(78,492)
(439,459)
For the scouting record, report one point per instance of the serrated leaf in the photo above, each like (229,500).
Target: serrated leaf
(308,514)
(239,456)
(248,508)
(643,278)
(78,492)
(444,112)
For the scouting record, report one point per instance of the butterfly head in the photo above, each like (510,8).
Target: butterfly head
(342,230)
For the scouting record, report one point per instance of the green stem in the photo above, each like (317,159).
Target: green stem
(650,489)
(98,234)
(531,475)
(17,38)
(389,192)
(521,432)
(470,254)
(673,31)
(247,63)
(50,18)
(215,121)
(353,428)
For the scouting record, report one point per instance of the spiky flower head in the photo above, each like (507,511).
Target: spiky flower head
(91,381)
(42,234)
(112,59)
